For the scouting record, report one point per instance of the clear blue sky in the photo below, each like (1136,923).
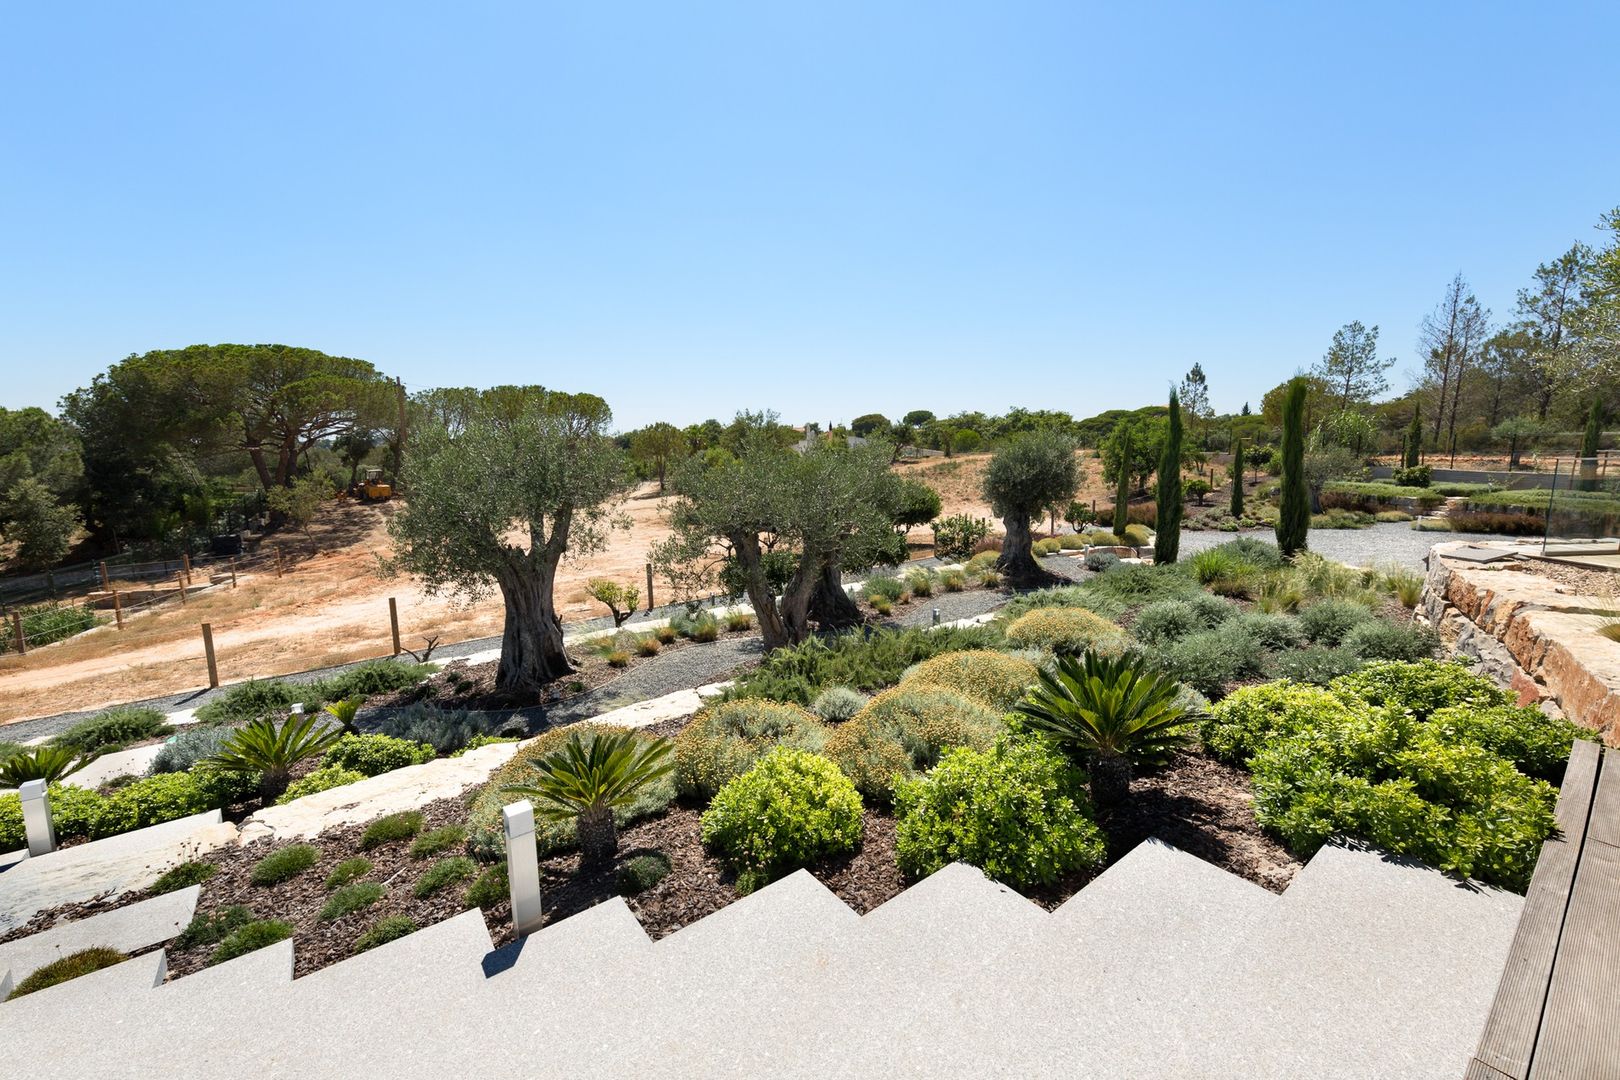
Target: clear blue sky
(819,208)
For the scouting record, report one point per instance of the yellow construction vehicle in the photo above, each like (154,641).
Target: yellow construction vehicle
(373,488)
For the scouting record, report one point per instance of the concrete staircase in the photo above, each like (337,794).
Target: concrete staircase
(1165,966)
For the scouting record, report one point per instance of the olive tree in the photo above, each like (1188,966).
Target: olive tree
(1029,473)
(498,503)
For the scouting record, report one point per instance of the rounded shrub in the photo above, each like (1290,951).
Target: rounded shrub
(183,876)
(1016,812)
(838,703)
(1062,630)
(253,936)
(352,869)
(1100,560)
(373,755)
(68,967)
(1209,661)
(112,730)
(887,586)
(391,829)
(1137,535)
(186,749)
(1316,665)
(726,739)
(1273,633)
(1421,687)
(904,731)
(443,873)
(1380,639)
(349,899)
(642,872)
(1326,622)
(485,839)
(1164,621)
(789,810)
(285,864)
(1537,744)
(982,562)
(322,779)
(992,679)
(1212,611)
(1049,546)
(1249,719)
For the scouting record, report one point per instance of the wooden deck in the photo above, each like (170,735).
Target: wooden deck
(1557,1009)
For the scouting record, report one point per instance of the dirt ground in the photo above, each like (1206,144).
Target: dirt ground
(960,483)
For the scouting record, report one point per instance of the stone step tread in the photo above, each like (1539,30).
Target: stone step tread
(127,929)
(38,1018)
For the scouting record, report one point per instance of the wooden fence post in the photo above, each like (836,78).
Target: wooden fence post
(185,562)
(233,571)
(649,587)
(393,623)
(104,582)
(16,626)
(180,580)
(118,609)
(208,647)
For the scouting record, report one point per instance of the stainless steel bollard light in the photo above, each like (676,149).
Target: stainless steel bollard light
(522,866)
(37,824)
(936,616)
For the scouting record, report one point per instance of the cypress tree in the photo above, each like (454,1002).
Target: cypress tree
(1589,445)
(1237,479)
(1294,513)
(1167,527)
(1122,497)
(1414,438)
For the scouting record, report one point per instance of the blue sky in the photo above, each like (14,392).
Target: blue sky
(819,208)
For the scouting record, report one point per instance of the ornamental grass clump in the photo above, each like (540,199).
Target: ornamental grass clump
(789,810)
(438,841)
(586,779)
(349,899)
(447,872)
(386,929)
(351,869)
(727,738)
(285,864)
(251,937)
(183,876)
(903,732)
(994,680)
(1016,811)
(68,967)
(391,829)
(1113,713)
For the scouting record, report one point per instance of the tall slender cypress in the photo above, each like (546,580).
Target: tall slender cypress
(1414,439)
(1167,527)
(1294,513)
(1122,497)
(1237,479)
(1589,445)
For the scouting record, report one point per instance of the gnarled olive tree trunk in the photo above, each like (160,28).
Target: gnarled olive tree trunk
(771,629)
(1017,563)
(532,651)
(830,605)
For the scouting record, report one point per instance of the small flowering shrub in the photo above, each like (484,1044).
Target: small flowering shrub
(789,810)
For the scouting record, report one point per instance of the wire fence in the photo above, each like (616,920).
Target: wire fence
(1583,507)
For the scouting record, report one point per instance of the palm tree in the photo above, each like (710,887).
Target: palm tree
(1115,711)
(272,750)
(587,778)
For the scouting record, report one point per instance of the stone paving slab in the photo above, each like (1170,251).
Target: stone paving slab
(126,929)
(78,1003)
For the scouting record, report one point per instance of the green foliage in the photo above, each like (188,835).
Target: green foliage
(271,749)
(1421,688)
(49,763)
(73,809)
(256,699)
(183,876)
(184,750)
(588,778)
(1273,633)
(838,703)
(920,582)
(438,841)
(1317,665)
(300,500)
(1030,472)
(446,730)
(1294,512)
(620,600)
(1015,811)
(1049,546)
(208,928)
(1063,630)
(284,864)
(47,624)
(344,712)
(322,779)
(1108,707)
(887,586)
(373,755)
(492,888)
(1418,476)
(386,929)
(991,679)
(1164,621)
(443,873)
(1537,744)
(351,869)
(1236,472)
(1328,622)
(956,536)
(789,810)
(641,873)
(797,674)
(112,730)
(1209,661)
(250,938)
(903,731)
(1250,719)
(1379,639)
(391,829)
(726,739)
(1169,497)
(68,967)
(1100,560)
(165,797)
(1136,536)
(373,678)
(349,899)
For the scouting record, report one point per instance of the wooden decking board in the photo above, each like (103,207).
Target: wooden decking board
(1604,823)
(1579,1039)
(1509,1040)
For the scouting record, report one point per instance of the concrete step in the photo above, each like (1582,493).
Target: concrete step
(32,1027)
(126,929)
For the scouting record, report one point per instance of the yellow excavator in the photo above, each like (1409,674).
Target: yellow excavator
(372,488)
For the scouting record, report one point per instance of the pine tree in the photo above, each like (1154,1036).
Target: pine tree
(1237,479)
(1167,527)
(1414,439)
(1294,513)
(1122,497)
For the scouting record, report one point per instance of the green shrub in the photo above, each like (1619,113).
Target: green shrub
(789,810)
(51,764)
(701,626)
(1380,639)
(368,680)
(446,730)
(68,967)
(285,864)
(1063,630)
(351,869)
(886,586)
(211,929)
(1164,621)
(1326,622)
(491,889)
(1342,519)
(438,841)
(1420,688)
(373,755)
(641,873)
(255,699)
(1209,661)
(185,750)
(992,679)
(322,779)
(1212,610)
(798,673)
(1137,535)
(112,730)
(983,561)
(1101,560)
(726,739)
(838,703)
(350,899)
(386,929)
(956,536)
(152,800)
(1015,811)
(403,825)
(1419,476)
(251,937)
(485,838)
(73,809)
(1071,542)
(1316,665)
(183,876)
(46,624)
(1537,744)
(1273,633)
(903,731)
(443,873)
(271,750)
(1248,720)
(1049,546)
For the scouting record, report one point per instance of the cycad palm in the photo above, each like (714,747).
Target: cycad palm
(587,778)
(344,713)
(1116,711)
(48,763)
(272,749)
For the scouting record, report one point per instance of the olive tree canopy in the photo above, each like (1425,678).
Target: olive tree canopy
(1030,473)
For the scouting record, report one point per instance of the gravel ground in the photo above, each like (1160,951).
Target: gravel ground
(1387,541)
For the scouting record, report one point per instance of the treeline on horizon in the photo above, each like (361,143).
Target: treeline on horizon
(167,447)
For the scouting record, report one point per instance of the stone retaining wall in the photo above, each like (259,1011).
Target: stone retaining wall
(1530,633)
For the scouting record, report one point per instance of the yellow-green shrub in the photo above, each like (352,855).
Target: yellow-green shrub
(994,680)
(1062,630)
(903,731)
(725,739)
